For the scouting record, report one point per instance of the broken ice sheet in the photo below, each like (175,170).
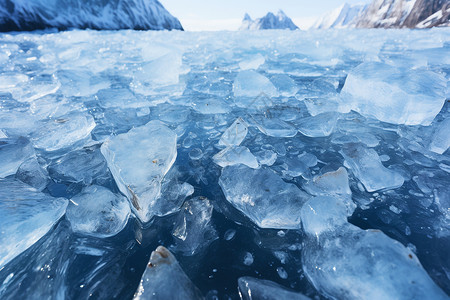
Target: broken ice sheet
(285,85)
(81,166)
(33,174)
(173,194)
(120,97)
(252,63)
(138,161)
(164,278)
(13,152)
(367,167)
(235,134)
(344,261)
(320,125)
(98,212)
(193,228)
(266,157)
(64,132)
(252,84)
(440,140)
(236,155)
(35,88)
(331,183)
(274,127)
(395,95)
(26,215)
(268,201)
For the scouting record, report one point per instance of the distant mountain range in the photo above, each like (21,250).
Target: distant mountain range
(269,21)
(388,14)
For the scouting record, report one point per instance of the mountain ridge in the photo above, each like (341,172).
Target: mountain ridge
(269,21)
(388,14)
(18,15)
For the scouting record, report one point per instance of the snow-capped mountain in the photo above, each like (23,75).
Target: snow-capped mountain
(388,14)
(19,15)
(269,21)
(342,17)
(405,13)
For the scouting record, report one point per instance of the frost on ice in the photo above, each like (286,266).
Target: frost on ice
(139,160)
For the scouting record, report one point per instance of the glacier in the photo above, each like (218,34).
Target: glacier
(276,163)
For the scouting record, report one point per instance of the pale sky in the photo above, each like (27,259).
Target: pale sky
(198,15)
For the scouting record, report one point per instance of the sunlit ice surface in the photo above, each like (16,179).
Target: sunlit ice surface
(291,164)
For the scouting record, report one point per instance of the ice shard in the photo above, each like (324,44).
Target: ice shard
(165,279)
(268,201)
(395,95)
(138,161)
(254,289)
(344,261)
(26,215)
(367,167)
(98,212)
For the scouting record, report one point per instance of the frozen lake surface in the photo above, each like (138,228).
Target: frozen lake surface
(278,164)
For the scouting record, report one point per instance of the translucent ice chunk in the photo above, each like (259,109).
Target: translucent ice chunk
(285,85)
(98,212)
(82,166)
(26,215)
(236,155)
(294,167)
(344,261)
(164,70)
(235,134)
(252,289)
(193,228)
(266,157)
(211,105)
(275,127)
(252,63)
(268,201)
(122,98)
(13,152)
(440,140)
(63,132)
(323,213)
(367,167)
(318,126)
(138,160)
(331,183)
(35,88)
(33,174)
(79,83)
(8,81)
(173,194)
(251,84)
(398,96)
(164,278)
